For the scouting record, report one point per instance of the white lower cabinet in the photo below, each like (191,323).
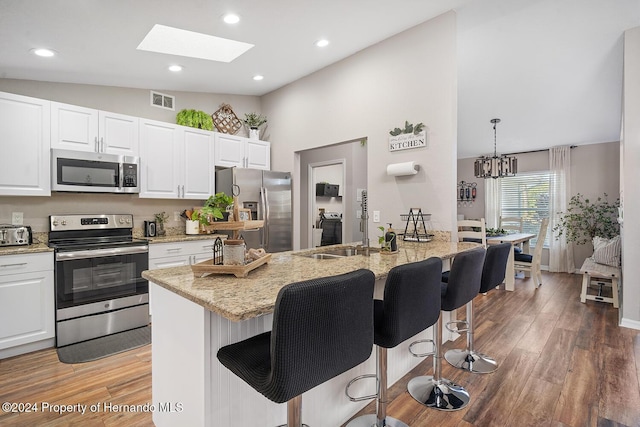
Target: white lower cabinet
(27,303)
(166,255)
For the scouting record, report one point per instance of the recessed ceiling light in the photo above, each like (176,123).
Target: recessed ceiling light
(322,43)
(231,18)
(174,41)
(45,53)
(175,68)
(258,77)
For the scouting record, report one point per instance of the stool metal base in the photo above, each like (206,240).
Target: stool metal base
(471,361)
(371,420)
(442,395)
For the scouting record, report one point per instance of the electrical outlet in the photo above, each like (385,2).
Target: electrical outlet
(376,216)
(359,194)
(17,218)
(176,216)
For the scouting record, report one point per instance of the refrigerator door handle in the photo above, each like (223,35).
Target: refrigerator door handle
(265,207)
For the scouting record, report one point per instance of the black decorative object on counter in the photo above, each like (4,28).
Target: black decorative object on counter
(217,252)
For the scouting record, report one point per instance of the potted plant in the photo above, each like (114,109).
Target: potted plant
(585,219)
(161,218)
(195,119)
(254,121)
(218,206)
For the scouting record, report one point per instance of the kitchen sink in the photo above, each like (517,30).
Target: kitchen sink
(334,253)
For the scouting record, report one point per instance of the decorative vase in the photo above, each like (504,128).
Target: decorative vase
(254,133)
(192,227)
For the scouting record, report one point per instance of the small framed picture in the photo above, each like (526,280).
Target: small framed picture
(244,215)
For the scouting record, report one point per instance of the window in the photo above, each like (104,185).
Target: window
(527,195)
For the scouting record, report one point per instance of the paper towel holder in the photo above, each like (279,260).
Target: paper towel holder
(402,169)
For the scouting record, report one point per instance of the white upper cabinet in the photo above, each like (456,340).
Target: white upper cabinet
(199,170)
(24,138)
(85,129)
(176,161)
(242,152)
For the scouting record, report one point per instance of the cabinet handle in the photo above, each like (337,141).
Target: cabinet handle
(178,191)
(97,147)
(183,191)
(14,265)
(174,249)
(102,145)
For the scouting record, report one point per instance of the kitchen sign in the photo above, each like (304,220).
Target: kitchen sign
(408,141)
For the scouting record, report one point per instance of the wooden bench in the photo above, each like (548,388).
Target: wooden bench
(603,275)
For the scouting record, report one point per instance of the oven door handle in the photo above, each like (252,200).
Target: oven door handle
(95,253)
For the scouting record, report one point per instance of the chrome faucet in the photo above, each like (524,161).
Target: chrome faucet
(364,223)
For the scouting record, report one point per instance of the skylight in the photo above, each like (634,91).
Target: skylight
(174,41)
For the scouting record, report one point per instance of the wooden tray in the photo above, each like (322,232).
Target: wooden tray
(203,268)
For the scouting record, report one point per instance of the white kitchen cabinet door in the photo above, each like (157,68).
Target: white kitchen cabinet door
(118,134)
(229,150)
(160,160)
(85,129)
(242,152)
(74,127)
(258,154)
(198,166)
(25,140)
(27,303)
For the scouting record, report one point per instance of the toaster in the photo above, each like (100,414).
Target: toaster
(15,235)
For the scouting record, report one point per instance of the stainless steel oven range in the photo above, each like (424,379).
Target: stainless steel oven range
(98,276)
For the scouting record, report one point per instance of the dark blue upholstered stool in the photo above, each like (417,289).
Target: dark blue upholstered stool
(411,290)
(321,328)
(493,271)
(464,283)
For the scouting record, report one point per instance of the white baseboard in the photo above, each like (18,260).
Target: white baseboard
(631,324)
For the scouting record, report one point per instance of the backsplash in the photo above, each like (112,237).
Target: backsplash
(36,210)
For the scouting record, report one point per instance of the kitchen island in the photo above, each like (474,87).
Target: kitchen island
(194,317)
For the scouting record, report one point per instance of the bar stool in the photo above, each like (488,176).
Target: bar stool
(464,283)
(410,290)
(493,272)
(321,328)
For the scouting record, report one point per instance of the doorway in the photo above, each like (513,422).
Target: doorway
(353,156)
(324,201)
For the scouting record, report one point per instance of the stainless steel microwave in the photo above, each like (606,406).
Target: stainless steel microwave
(81,171)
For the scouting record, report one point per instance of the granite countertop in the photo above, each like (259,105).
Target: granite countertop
(252,296)
(27,249)
(39,245)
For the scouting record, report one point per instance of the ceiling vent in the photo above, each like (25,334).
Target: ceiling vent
(163,101)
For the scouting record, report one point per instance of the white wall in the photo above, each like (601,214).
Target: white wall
(631,177)
(411,76)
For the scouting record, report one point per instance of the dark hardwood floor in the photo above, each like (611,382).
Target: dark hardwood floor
(562,363)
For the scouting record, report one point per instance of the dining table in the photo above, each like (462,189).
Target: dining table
(514,239)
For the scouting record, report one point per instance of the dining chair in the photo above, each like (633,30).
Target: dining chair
(531,263)
(472,230)
(511,223)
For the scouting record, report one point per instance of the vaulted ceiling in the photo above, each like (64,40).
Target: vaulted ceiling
(550,69)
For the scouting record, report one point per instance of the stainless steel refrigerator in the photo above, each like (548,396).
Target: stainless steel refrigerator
(268,195)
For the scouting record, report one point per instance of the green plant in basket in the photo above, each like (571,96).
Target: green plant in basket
(195,119)
(218,204)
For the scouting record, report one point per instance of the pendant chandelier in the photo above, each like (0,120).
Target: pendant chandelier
(496,166)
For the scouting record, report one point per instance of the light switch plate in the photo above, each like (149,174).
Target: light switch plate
(17,218)
(376,216)
(359,194)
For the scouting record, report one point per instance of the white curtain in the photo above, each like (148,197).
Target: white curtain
(492,202)
(560,251)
